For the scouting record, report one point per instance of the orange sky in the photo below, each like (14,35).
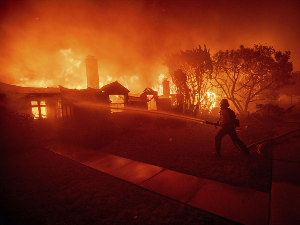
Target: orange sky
(44,43)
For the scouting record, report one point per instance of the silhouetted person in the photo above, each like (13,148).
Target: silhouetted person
(228,123)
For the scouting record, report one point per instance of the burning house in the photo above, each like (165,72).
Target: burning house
(115,94)
(150,100)
(149,96)
(164,102)
(68,104)
(61,103)
(42,103)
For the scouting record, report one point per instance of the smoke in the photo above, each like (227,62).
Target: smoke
(44,43)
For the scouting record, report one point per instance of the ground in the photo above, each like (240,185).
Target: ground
(41,187)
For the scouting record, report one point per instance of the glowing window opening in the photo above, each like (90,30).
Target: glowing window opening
(59,109)
(151,102)
(116,103)
(38,109)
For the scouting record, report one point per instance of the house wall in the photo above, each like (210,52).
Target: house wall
(163,104)
(44,107)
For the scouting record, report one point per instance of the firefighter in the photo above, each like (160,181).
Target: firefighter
(228,122)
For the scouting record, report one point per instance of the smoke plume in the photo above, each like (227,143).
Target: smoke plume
(44,43)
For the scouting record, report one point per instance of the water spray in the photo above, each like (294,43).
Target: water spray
(137,110)
(172,115)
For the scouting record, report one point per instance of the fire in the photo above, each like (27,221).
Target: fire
(159,86)
(134,78)
(104,80)
(72,62)
(70,76)
(25,82)
(209,100)
(39,109)
(117,102)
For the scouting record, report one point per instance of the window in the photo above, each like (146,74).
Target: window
(117,103)
(151,102)
(59,109)
(39,109)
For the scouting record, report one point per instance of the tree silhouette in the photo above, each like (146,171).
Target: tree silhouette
(246,75)
(293,89)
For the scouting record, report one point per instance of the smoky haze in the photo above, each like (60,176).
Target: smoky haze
(44,43)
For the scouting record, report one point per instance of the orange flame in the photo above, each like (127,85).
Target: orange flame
(159,86)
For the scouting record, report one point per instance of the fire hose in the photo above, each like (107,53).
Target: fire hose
(272,138)
(259,142)
(201,121)
(216,124)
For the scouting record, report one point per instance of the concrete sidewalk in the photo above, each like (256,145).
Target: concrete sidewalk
(242,205)
(285,191)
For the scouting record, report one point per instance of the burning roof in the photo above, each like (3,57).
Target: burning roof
(13,89)
(150,91)
(114,88)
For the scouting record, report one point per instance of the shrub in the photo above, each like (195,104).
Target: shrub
(269,110)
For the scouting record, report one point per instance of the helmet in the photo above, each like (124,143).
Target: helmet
(224,103)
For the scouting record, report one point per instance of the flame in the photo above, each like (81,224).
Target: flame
(159,86)
(161,78)
(71,73)
(172,87)
(72,62)
(39,109)
(43,39)
(70,76)
(70,58)
(26,82)
(117,103)
(134,78)
(209,100)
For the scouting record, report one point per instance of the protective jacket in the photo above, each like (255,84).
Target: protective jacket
(227,118)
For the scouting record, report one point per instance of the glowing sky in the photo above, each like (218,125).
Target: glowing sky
(44,43)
